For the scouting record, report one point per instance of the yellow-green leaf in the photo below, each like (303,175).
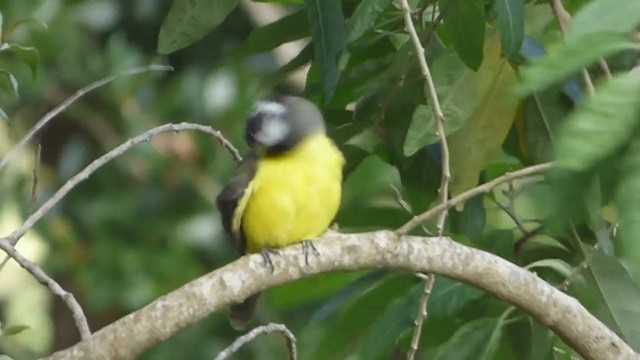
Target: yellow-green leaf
(474,146)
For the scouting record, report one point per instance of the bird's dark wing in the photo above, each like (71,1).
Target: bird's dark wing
(233,198)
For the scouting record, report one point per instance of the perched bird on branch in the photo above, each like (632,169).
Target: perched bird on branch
(286,191)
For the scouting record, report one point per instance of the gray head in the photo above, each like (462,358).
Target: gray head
(279,124)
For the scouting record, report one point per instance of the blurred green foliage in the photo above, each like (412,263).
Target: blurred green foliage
(145,223)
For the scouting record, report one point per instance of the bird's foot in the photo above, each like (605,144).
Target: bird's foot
(266,255)
(307,246)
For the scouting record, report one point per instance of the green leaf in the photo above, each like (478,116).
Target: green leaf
(464,22)
(620,298)
(558,265)
(29,55)
(477,340)
(348,329)
(190,20)
(628,205)
(600,125)
(14,330)
(544,112)
(422,130)
(604,16)
(3,114)
(293,2)
(569,59)
(391,323)
(510,21)
(289,28)
(9,80)
(312,289)
(541,341)
(328,34)
(448,297)
(476,144)
(457,87)
(1,39)
(365,17)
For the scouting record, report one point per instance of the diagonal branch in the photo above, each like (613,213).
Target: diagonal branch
(480,189)
(80,93)
(99,162)
(68,298)
(133,334)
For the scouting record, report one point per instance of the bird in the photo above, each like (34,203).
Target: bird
(286,191)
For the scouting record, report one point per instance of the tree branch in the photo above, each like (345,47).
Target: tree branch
(99,162)
(564,18)
(443,190)
(133,334)
(44,279)
(480,189)
(62,107)
(242,340)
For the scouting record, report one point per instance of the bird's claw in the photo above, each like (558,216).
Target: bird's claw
(266,255)
(307,246)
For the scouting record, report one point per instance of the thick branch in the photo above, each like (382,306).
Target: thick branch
(130,336)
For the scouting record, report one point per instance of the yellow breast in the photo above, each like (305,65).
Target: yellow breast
(294,196)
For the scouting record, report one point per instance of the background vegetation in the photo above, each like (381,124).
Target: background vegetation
(146,223)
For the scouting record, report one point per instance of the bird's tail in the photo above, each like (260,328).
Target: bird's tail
(241,314)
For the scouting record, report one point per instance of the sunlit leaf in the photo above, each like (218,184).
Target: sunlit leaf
(190,20)
(9,81)
(604,16)
(29,55)
(600,125)
(477,340)
(510,21)
(569,59)
(464,22)
(14,330)
(328,32)
(474,145)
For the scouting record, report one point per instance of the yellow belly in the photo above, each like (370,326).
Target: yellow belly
(294,196)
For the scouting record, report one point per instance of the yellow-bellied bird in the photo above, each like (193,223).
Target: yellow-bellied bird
(286,191)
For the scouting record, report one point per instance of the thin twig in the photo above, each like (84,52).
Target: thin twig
(33,269)
(99,162)
(480,189)
(405,205)
(564,18)
(242,340)
(34,185)
(80,93)
(446,168)
(422,313)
